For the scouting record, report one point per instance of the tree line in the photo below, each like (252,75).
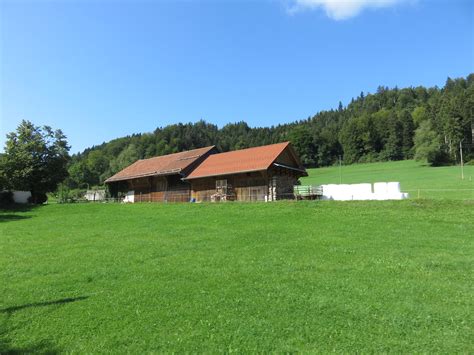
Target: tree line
(428,124)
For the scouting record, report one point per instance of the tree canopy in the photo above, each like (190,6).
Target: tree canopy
(386,125)
(35,160)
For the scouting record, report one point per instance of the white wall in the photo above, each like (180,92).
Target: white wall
(21,196)
(130,197)
(95,195)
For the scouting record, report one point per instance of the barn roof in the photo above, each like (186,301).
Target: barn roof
(163,165)
(241,161)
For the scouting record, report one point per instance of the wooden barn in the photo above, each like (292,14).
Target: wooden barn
(159,179)
(264,173)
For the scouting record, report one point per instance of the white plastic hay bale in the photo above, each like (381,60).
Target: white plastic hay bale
(344,192)
(393,191)
(361,191)
(393,187)
(380,191)
(325,195)
(336,192)
(330,191)
(388,191)
(380,188)
(327,192)
(362,188)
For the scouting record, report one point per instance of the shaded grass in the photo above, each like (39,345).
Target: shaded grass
(414,177)
(307,276)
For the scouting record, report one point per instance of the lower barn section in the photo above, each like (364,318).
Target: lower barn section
(254,186)
(154,189)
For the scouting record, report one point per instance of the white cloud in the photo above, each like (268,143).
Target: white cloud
(340,9)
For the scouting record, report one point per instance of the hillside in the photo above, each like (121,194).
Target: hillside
(389,125)
(415,178)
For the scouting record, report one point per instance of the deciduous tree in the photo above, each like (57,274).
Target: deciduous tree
(35,159)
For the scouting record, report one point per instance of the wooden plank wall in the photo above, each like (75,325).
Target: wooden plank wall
(161,189)
(241,187)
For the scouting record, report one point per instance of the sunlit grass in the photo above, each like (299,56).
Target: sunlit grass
(297,276)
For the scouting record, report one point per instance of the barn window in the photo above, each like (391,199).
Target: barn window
(221,186)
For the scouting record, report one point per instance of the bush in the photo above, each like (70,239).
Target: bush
(66,195)
(63,194)
(439,158)
(38,198)
(6,198)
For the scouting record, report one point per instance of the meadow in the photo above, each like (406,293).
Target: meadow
(312,276)
(418,179)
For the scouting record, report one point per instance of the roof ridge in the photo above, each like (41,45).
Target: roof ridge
(286,143)
(184,151)
(239,161)
(161,165)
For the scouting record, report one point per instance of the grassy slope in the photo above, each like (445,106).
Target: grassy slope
(412,176)
(356,276)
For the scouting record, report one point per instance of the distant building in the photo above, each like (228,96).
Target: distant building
(95,195)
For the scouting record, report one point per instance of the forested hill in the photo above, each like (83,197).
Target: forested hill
(392,124)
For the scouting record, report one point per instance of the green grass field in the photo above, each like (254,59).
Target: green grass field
(415,178)
(314,276)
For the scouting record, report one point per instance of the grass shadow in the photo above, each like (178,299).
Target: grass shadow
(9,213)
(42,304)
(41,347)
(12,217)
(19,207)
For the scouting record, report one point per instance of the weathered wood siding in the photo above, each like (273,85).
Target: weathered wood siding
(160,189)
(240,187)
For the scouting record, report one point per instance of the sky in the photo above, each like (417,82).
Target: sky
(103,69)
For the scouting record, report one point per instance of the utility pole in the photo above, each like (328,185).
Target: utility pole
(462,163)
(340,170)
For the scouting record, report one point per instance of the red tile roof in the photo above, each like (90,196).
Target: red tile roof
(239,161)
(163,165)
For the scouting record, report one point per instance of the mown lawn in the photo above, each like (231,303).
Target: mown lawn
(415,178)
(296,276)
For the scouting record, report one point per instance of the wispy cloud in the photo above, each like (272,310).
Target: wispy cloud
(340,9)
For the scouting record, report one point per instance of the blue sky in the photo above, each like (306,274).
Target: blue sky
(104,69)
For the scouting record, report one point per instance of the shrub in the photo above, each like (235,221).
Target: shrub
(38,198)
(63,193)
(439,158)
(6,198)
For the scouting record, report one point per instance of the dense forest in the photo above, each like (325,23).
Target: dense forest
(392,124)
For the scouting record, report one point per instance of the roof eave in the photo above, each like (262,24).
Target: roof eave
(302,171)
(166,173)
(225,174)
